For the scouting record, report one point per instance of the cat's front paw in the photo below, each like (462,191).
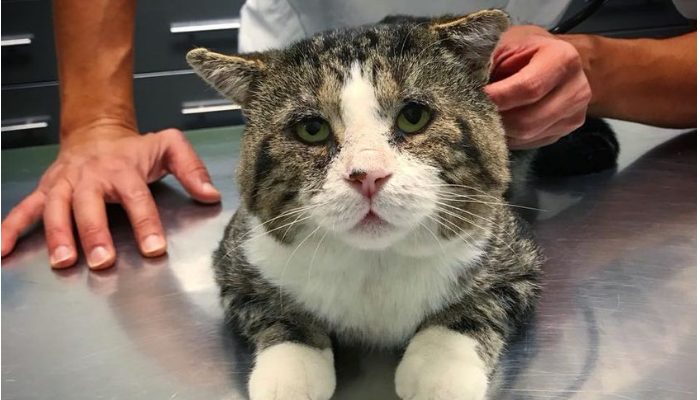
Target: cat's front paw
(441,365)
(291,371)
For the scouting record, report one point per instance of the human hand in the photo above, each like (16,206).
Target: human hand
(539,86)
(110,163)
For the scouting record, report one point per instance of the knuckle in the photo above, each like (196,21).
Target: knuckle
(174,134)
(54,232)
(143,223)
(92,232)
(136,196)
(194,168)
(532,88)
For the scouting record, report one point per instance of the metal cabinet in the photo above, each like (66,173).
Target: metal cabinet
(167,93)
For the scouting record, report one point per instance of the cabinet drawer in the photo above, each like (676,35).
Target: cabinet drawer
(28,53)
(181,100)
(30,116)
(167,29)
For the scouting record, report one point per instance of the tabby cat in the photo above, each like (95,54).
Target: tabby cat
(372,175)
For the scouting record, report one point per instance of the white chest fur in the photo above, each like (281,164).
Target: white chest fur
(377,297)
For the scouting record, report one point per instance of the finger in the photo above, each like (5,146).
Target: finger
(91,219)
(27,212)
(555,132)
(184,163)
(546,70)
(566,103)
(143,214)
(58,226)
(517,144)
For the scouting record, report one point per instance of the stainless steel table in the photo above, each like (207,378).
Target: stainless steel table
(617,319)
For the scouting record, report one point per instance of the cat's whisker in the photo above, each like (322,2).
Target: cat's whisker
(466,212)
(459,231)
(313,258)
(287,213)
(279,227)
(488,232)
(493,203)
(458,234)
(286,264)
(444,255)
(290,227)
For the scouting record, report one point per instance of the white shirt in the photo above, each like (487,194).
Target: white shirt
(270,24)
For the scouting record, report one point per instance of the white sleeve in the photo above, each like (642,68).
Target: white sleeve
(268,24)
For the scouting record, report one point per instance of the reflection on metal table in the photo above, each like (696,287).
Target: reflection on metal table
(617,319)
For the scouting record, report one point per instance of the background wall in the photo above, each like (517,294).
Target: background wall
(167,93)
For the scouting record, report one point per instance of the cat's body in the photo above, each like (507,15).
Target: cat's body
(373,173)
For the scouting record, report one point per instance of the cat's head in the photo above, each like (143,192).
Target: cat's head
(374,133)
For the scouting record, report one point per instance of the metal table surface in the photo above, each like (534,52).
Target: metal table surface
(617,319)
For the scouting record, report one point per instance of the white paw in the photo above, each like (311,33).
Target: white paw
(440,364)
(291,371)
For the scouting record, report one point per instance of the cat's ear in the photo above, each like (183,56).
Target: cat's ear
(473,36)
(232,76)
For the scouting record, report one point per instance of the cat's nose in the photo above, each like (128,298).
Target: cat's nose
(368,182)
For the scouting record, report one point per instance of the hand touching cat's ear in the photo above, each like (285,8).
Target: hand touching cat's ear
(232,76)
(473,36)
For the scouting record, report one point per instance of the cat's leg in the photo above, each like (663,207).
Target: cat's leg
(293,355)
(292,371)
(455,351)
(442,364)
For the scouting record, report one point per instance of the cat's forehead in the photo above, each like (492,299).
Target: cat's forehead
(341,49)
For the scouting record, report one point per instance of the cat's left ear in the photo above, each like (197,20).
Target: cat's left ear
(473,36)
(232,76)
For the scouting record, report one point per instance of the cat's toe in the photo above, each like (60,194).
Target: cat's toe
(441,365)
(448,382)
(291,371)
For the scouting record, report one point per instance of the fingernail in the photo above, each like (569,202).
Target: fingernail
(209,188)
(153,244)
(60,254)
(98,256)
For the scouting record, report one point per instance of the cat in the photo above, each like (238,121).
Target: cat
(372,175)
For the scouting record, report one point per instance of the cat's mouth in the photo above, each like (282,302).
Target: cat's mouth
(371,220)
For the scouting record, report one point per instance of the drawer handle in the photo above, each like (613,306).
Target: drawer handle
(208,106)
(16,40)
(24,126)
(203,26)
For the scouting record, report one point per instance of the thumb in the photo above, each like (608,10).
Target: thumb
(188,168)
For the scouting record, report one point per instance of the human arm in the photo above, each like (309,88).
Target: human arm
(651,81)
(102,157)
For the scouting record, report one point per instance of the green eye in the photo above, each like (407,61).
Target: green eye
(312,131)
(412,118)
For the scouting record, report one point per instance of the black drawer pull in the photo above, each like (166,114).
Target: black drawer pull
(208,106)
(206,25)
(16,40)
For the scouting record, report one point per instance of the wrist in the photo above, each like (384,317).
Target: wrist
(589,50)
(97,128)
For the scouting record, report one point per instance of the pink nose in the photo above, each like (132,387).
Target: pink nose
(368,182)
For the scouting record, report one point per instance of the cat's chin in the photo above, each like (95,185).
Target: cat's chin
(372,235)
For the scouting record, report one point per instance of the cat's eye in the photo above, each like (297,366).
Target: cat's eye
(312,131)
(412,118)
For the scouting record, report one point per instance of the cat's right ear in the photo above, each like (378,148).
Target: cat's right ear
(232,76)
(474,36)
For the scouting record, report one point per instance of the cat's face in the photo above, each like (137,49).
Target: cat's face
(372,133)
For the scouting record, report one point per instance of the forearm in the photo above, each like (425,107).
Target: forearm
(94,41)
(651,81)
